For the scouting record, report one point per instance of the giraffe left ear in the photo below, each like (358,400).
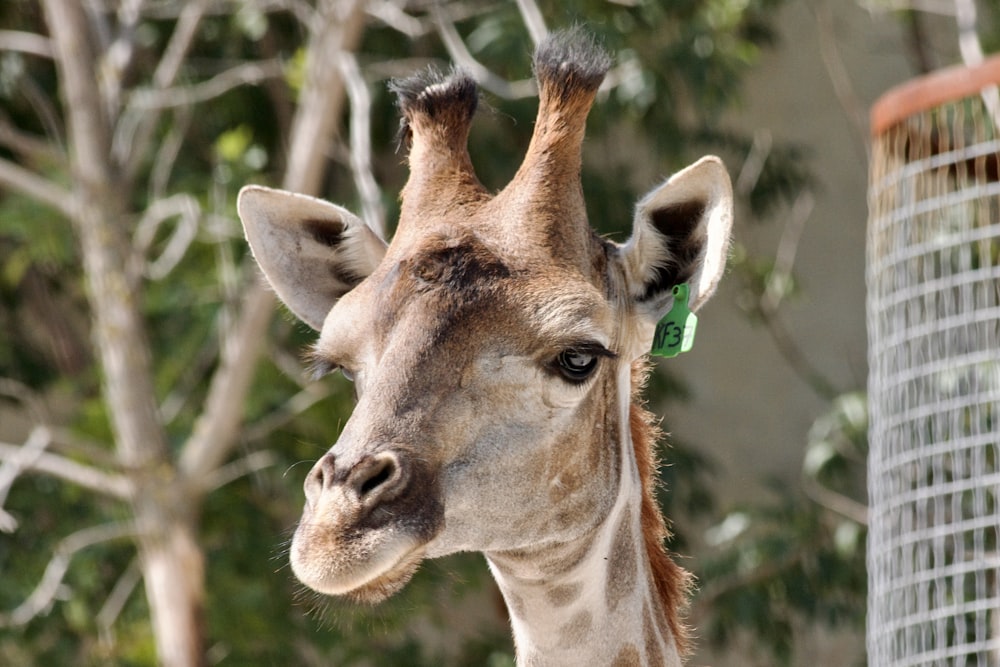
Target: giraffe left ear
(312,252)
(680,235)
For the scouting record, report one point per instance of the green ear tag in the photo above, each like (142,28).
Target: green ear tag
(675,332)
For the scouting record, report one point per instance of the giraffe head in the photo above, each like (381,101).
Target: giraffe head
(490,342)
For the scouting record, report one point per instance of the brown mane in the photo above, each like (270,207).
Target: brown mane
(673,583)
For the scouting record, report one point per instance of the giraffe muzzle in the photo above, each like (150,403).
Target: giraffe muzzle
(374,480)
(366,523)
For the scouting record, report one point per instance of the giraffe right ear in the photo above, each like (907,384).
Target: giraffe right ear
(680,235)
(312,252)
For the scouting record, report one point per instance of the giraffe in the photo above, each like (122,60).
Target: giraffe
(498,350)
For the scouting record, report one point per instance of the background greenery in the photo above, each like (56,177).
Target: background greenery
(680,63)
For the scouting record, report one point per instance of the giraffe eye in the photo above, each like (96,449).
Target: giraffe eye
(576,365)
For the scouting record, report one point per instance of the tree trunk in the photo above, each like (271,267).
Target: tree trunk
(173,567)
(171,559)
(168,489)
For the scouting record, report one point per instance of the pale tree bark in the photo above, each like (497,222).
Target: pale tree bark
(338,28)
(110,131)
(171,559)
(165,491)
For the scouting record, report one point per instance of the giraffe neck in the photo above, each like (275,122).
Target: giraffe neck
(591,602)
(594,601)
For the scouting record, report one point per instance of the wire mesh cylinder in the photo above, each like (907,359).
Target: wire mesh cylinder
(933,273)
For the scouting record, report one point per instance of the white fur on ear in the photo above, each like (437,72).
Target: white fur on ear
(312,252)
(681,234)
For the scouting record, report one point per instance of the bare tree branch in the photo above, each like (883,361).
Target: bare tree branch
(29,183)
(119,595)
(835,502)
(460,55)
(941,7)
(117,56)
(234,77)
(972,52)
(25,42)
(28,147)
(166,156)
(11,468)
(48,588)
(84,111)
(372,209)
(249,464)
(753,165)
(45,110)
(321,98)
(788,247)
(533,19)
(391,14)
(137,128)
(293,407)
(87,477)
(185,208)
(842,87)
(23,394)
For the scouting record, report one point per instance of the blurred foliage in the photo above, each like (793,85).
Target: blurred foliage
(681,65)
(773,566)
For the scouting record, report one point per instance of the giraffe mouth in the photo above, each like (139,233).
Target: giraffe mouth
(363,565)
(367,546)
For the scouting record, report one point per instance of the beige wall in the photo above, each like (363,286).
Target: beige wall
(749,409)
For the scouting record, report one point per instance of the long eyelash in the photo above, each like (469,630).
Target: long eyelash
(318,366)
(595,349)
(320,369)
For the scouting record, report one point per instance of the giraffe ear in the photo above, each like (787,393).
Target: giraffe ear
(680,235)
(312,252)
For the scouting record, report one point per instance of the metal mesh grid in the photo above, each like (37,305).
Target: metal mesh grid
(933,277)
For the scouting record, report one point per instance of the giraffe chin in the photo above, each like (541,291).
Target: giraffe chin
(388,583)
(351,570)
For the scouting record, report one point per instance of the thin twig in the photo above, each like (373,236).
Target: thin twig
(220,84)
(10,470)
(784,257)
(941,7)
(185,208)
(833,501)
(51,582)
(27,146)
(391,14)
(23,394)
(90,478)
(372,208)
(251,463)
(843,88)
(293,407)
(459,53)
(167,154)
(137,128)
(797,359)
(706,598)
(753,165)
(25,42)
(533,19)
(44,191)
(119,595)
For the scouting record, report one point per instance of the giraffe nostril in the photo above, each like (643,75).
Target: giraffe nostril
(376,478)
(381,475)
(320,478)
